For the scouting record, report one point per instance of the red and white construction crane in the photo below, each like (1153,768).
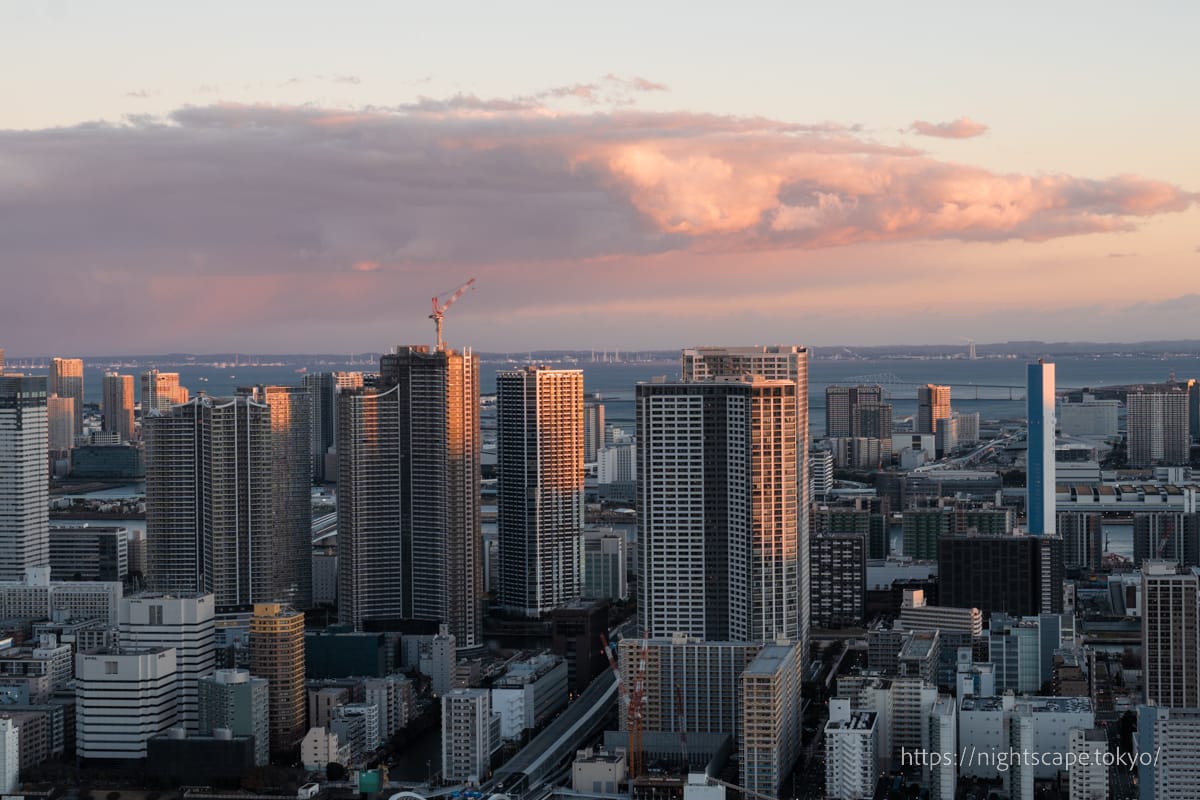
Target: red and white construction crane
(439,309)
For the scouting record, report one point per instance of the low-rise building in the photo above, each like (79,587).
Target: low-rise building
(529,693)
(984,726)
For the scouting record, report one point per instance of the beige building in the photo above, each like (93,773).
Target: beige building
(117,406)
(66,380)
(277,654)
(770,718)
(933,406)
(161,390)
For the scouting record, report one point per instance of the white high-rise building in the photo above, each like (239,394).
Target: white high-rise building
(184,623)
(851,745)
(539,455)
(1171,634)
(10,752)
(774,362)
(469,733)
(123,698)
(1158,428)
(24,490)
(1171,770)
(209,522)
(1087,778)
(943,738)
(718,510)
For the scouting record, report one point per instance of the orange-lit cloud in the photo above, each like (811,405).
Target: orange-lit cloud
(961,128)
(337,215)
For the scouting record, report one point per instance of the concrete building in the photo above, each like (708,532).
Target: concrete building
(414,553)
(233,699)
(540,468)
(60,428)
(1171,635)
(770,740)
(358,725)
(529,693)
(708,677)
(321,747)
(468,735)
(438,657)
(1088,418)
(123,698)
(117,406)
(209,522)
(716,560)
(1014,650)
(66,380)
(839,580)
(277,654)
(599,771)
(1040,486)
(160,391)
(851,747)
(841,404)
(1166,536)
(772,362)
(1158,430)
(616,464)
(36,597)
(943,738)
(593,430)
(985,726)
(290,420)
(967,427)
(1087,779)
(1083,539)
(933,406)
(820,473)
(1022,575)
(1166,739)
(393,696)
(184,623)
(604,565)
(89,553)
(323,389)
(24,493)
(10,756)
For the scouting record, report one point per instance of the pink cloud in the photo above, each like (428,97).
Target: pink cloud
(961,128)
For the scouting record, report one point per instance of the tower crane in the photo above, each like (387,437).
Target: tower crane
(439,309)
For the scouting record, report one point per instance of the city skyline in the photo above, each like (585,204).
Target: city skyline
(589,190)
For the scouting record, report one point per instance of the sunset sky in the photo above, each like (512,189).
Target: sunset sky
(277,177)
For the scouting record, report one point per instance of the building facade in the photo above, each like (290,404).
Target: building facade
(123,698)
(933,406)
(1171,634)
(1040,487)
(277,654)
(1158,428)
(117,406)
(66,380)
(233,699)
(24,490)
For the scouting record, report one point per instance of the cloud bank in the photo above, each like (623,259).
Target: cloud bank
(961,128)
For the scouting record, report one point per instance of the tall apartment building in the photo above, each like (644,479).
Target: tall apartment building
(290,418)
(1087,779)
(1167,536)
(24,490)
(408,494)
(470,733)
(851,749)
(933,406)
(1171,735)
(841,403)
(539,455)
(161,390)
(233,699)
(1040,486)
(184,623)
(277,654)
(10,736)
(839,580)
(1083,539)
(770,740)
(209,521)
(1171,635)
(1021,575)
(604,565)
(593,429)
(943,738)
(60,425)
(323,389)
(117,405)
(123,698)
(1158,429)
(718,521)
(66,380)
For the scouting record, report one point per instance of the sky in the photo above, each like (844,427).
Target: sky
(277,177)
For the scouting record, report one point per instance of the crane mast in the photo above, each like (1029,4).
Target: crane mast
(439,309)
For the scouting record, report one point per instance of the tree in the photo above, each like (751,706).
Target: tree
(335,771)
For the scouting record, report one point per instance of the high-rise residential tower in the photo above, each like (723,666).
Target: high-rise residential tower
(1158,428)
(539,456)
(409,543)
(66,380)
(933,405)
(60,425)
(323,388)
(1171,634)
(209,520)
(1040,487)
(717,509)
(291,491)
(24,489)
(593,429)
(117,408)
(161,390)
(775,362)
(277,654)
(840,405)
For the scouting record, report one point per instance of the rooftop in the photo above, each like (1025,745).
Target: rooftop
(859,721)
(1039,705)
